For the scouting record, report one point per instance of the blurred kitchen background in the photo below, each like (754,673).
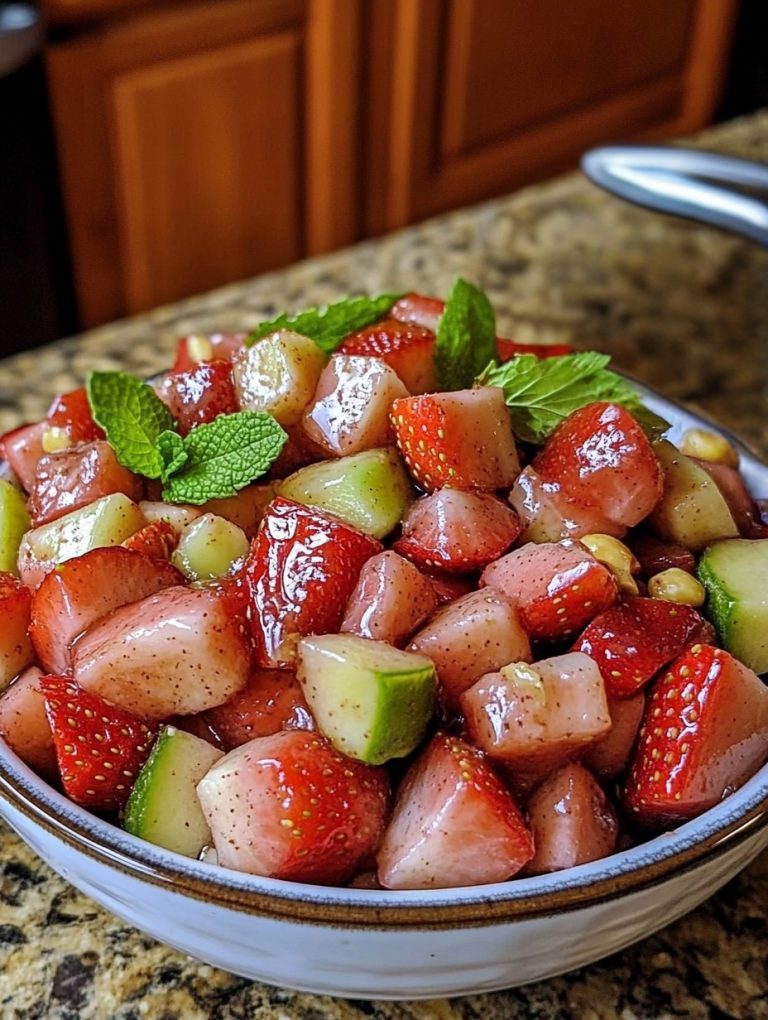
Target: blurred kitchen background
(150,150)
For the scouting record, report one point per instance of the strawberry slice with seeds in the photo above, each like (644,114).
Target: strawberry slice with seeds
(99,748)
(462,439)
(157,540)
(457,531)
(632,641)
(408,349)
(200,394)
(558,587)
(301,570)
(704,732)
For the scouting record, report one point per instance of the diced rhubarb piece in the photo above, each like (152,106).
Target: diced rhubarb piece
(350,408)
(572,821)
(454,823)
(100,747)
(609,756)
(278,374)
(537,717)
(558,587)
(86,588)
(197,347)
(107,521)
(178,652)
(391,599)
(408,349)
(15,647)
(704,732)
(23,448)
(462,439)
(24,724)
(457,531)
(199,394)
(476,634)
(633,640)
(71,479)
(301,570)
(70,416)
(546,515)
(290,806)
(271,701)
(601,458)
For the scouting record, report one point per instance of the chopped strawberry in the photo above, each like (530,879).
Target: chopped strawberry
(633,640)
(197,347)
(418,310)
(178,652)
(572,821)
(609,756)
(408,349)
(200,394)
(508,349)
(558,587)
(100,748)
(73,478)
(290,806)
(454,823)
(449,587)
(391,599)
(15,648)
(70,413)
(157,539)
(462,439)
(601,458)
(86,588)
(271,701)
(655,554)
(457,531)
(301,570)
(704,732)
(547,515)
(24,724)
(23,448)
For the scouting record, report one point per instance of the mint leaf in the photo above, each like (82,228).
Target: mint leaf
(466,337)
(132,416)
(170,446)
(224,456)
(540,393)
(328,326)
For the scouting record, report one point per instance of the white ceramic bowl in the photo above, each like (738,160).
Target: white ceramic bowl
(380,944)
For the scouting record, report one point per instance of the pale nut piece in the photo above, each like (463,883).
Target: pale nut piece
(54,439)
(617,557)
(676,585)
(711,446)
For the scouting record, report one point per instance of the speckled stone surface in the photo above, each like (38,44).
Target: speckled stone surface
(685,309)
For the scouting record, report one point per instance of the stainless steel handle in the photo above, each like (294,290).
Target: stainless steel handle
(719,190)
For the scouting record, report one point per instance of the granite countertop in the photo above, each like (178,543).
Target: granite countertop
(685,309)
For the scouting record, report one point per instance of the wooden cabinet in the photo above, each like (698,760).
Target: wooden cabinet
(204,141)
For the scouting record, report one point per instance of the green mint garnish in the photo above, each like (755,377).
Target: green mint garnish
(466,337)
(224,456)
(328,326)
(541,392)
(170,446)
(132,416)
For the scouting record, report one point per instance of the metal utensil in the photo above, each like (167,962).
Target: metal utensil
(718,190)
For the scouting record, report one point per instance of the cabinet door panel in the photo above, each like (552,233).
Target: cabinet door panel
(207,182)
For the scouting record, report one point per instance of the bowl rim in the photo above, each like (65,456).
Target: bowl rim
(739,817)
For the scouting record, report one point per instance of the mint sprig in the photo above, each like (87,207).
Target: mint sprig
(213,461)
(540,393)
(132,416)
(466,337)
(328,326)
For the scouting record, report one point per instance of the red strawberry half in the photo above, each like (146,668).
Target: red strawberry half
(99,748)
(408,349)
(300,572)
(457,531)
(631,641)
(704,732)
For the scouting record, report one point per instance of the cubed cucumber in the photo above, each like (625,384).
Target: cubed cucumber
(734,573)
(163,807)
(369,490)
(373,702)
(692,509)
(208,547)
(14,521)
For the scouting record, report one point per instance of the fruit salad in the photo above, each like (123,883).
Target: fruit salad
(373,596)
